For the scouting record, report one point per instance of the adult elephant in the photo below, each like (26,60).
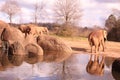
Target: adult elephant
(25,29)
(95,67)
(34,53)
(97,38)
(12,41)
(54,49)
(38,30)
(44,30)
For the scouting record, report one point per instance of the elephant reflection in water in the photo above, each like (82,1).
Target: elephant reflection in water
(95,67)
(7,61)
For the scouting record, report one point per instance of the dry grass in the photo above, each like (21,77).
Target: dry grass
(81,45)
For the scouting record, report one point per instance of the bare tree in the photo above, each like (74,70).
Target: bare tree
(11,8)
(116,12)
(67,11)
(39,11)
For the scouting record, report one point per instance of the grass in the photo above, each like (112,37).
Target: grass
(71,38)
(81,45)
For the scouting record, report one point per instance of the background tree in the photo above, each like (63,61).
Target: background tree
(67,11)
(110,22)
(39,11)
(113,26)
(118,23)
(11,8)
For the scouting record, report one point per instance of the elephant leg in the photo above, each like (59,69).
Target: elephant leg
(5,47)
(96,48)
(99,47)
(91,49)
(103,45)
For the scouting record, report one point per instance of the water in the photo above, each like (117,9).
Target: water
(74,68)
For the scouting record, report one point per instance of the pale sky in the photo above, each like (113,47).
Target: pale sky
(95,12)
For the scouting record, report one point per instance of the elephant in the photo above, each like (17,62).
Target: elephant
(45,30)
(34,53)
(50,43)
(5,40)
(97,38)
(54,49)
(2,26)
(25,29)
(95,67)
(116,69)
(12,40)
(38,30)
(4,34)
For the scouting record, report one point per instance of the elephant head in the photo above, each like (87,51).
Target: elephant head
(95,67)
(12,40)
(104,34)
(97,38)
(25,29)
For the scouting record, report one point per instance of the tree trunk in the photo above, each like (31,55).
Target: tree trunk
(10,18)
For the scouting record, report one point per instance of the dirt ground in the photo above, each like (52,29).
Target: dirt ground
(81,45)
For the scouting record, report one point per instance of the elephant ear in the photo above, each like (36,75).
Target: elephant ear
(5,34)
(105,34)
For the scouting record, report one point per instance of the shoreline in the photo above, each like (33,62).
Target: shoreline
(81,46)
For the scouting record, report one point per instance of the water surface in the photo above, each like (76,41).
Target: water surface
(74,68)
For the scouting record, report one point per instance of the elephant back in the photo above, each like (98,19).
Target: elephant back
(3,24)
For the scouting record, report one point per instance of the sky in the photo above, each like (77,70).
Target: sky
(94,12)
